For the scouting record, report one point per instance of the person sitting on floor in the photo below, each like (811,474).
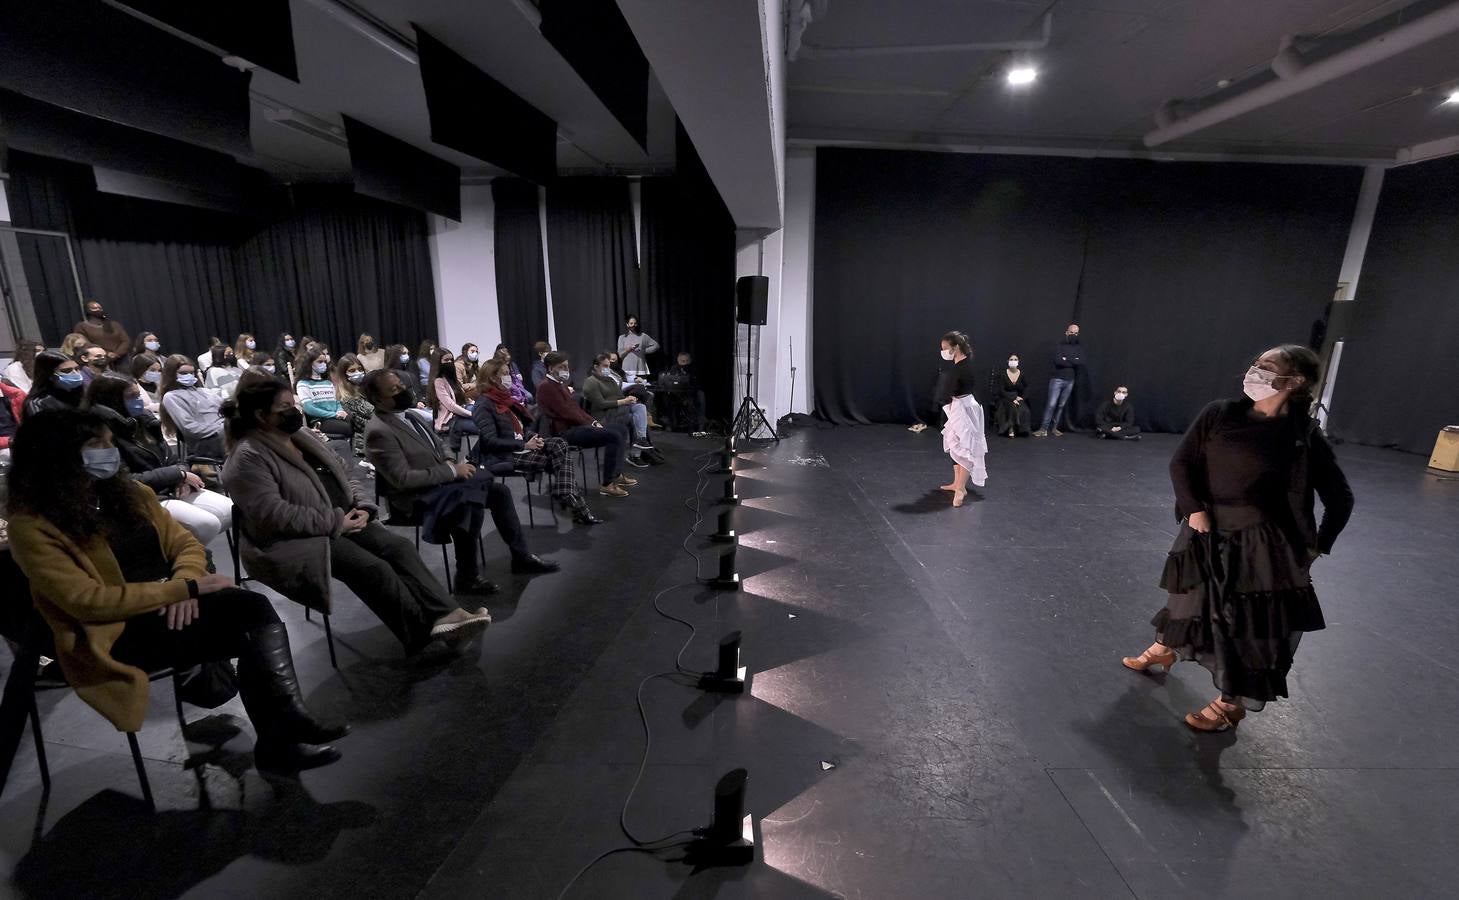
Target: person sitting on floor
(190,410)
(56,385)
(1116,418)
(447,399)
(149,459)
(1011,417)
(509,438)
(607,401)
(449,498)
(125,590)
(569,421)
(304,520)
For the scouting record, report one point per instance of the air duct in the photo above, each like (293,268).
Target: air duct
(1296,73)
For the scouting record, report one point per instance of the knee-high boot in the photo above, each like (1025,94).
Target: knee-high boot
(289,737)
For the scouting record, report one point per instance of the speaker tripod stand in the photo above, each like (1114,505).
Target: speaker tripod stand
(751,420)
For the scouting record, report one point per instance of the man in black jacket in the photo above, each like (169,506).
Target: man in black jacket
(1068,360)
(1116,418)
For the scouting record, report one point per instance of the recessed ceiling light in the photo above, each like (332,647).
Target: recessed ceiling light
(1224,82)
(1022,75)
(1453,97)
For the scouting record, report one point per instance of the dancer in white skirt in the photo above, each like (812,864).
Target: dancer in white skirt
(963,437)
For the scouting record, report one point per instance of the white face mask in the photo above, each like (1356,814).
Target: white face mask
(269,368)
(290,344)
(563,377)
(1013,363)
(356,377)
(404,358)
(947,354)
(1259,384)
(473,356)
(1120,395)
(251,344)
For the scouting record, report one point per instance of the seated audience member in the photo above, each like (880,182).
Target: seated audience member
(449,498)
(370,353)
(146,370)
(519,390)
(447,400)
(685,399)
(304,520)
(93,361)
(192,411)
(73,342)
(468,368)
(423,360)
(105,332)
(125,590)
(21,371)
(1115,418)
(539,366)
(398,360)
(566,419)
(12,410)
(608,403)
(284,356)
(633,385)
(147,342)
(318,397)
(137,434)
(58,384)
(264,362)
(224,373)
(205,359)
(349,380)
(509,437)
(1011,417)
(244,347)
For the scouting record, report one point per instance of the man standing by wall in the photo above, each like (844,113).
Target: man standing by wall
(1068,360)
(108,334)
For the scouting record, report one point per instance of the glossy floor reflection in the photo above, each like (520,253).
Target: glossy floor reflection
(936,709)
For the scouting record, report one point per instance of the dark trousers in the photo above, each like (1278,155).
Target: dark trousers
(503,516)
(1126,431)
(217,633)
(458,428)
(385,571)
(612,438)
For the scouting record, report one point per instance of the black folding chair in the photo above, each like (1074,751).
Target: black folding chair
(235,541)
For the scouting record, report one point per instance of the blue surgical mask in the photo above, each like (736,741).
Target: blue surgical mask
(136,406)
(187,380)
(404,358)
(70,381)
(606,372)
(153,346)
(152,376)
(270,368)
(356,377)
(251,344)
(320,367)
(101,462)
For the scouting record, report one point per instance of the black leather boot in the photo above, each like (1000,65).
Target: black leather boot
(287,730)
(581,515)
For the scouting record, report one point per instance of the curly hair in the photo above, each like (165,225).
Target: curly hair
(48,480)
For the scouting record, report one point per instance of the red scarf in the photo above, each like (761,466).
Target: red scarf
(501,398)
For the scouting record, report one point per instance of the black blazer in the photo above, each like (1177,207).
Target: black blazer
(152,463)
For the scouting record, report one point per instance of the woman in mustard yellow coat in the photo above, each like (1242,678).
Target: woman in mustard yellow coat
(125,589)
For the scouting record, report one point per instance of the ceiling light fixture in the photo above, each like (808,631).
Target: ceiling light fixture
(1453,96)
(1021,75)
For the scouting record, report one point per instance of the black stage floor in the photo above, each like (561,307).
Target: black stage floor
(937,709)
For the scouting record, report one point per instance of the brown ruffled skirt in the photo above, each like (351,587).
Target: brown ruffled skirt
(1240,600)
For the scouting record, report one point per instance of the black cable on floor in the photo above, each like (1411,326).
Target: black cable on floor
(607,853)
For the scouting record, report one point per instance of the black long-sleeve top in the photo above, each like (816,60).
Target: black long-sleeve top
(1068,358)
(957,381)
(1010,388)
(1282,465)
(1111,414)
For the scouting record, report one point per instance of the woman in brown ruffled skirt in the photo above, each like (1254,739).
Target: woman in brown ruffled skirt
(1246,477)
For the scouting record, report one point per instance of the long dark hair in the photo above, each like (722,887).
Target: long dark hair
(170,365)
(139,343)
(43,380)
(448,373)
(141,362)
(392,357)
(305,372)
(471,366)
(48,481)
(109,392)
(256,394)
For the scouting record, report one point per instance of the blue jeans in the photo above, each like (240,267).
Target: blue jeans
(1059,391)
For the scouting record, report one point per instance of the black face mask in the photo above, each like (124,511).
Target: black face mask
(1071,338)
(404,400)
(96,314)
(290,421)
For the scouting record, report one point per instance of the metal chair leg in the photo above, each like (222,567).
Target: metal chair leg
(329,639)
(40,747)
(308,617)
(446,561)
(141,771)
(531,518)
(177,702)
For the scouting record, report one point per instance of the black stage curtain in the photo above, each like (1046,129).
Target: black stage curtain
(590,248)
(1193,269)
(1396,386)
(339,265)
(687,296)
(1176,273)
(521,286)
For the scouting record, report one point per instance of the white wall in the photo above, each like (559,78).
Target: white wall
(797,285)
(463,268)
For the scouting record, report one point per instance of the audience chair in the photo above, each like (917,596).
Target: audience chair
(235,542)
(414,521)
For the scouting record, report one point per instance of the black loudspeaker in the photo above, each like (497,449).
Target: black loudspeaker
(752,299)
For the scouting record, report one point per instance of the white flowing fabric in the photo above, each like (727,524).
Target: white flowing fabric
(963,438)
